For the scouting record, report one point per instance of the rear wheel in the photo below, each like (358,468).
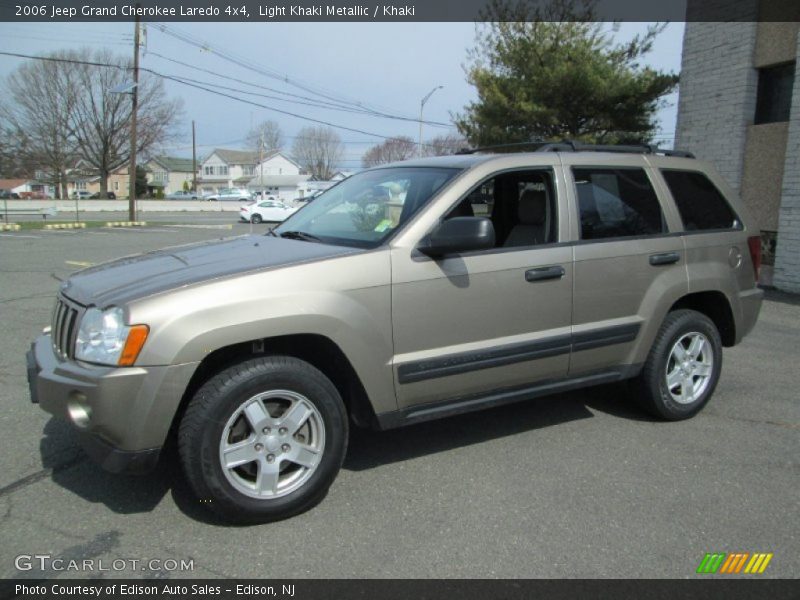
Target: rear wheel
(264,439)
(683,367)
(256,218)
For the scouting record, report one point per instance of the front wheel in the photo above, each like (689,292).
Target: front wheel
(263,440)
(683,367)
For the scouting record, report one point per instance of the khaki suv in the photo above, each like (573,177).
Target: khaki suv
(407,292)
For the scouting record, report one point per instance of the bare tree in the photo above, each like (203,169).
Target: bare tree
(265,137)
(100,120)
(41,98)
(443,145)
(318,150)
(392,150)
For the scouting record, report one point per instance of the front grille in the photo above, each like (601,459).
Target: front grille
(64,328)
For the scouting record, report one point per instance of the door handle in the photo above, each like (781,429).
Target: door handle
(667,258)
(543,273)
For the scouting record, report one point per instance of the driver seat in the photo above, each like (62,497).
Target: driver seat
(532,226)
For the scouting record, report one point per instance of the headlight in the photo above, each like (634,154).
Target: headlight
(104,338)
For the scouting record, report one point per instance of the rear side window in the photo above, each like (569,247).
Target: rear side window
(700,204)
(616,203)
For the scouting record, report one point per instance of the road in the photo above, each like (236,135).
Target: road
(575,485)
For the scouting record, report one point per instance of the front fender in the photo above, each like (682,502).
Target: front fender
(346,299)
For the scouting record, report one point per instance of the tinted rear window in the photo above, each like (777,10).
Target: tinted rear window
(616,203)
(700,204)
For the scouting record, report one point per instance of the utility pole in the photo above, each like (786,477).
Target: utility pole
(261,164)
(135,102)
(194,161)
(421,106)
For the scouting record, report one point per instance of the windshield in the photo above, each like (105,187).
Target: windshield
(364,209)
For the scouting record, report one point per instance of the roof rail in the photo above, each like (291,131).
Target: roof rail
(572,146)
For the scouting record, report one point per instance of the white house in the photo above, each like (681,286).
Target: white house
(226,168)
(279,176)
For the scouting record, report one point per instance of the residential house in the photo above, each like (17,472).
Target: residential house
(279,176)
(168,174)
(226,168)
(27,188)
(84,179)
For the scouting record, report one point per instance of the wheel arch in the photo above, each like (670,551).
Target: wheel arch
(716,306)
(318,350)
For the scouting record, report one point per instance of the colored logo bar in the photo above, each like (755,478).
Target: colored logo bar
(734,562)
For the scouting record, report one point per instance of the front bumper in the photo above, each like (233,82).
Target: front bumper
(123,415)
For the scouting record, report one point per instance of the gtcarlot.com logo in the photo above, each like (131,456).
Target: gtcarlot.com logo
(46,562)
(734,563)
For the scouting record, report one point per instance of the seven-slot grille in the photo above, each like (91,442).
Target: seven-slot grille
(64,328)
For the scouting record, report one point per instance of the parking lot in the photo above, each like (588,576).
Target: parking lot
(575,485)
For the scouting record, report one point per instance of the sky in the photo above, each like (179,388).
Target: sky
(388,67)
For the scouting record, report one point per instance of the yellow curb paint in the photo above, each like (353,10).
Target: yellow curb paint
(78,263)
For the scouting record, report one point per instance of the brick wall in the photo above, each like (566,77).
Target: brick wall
(787,258)
(717,94)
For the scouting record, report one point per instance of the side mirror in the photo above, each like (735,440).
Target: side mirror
(459,234)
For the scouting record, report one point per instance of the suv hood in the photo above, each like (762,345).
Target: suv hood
(133,277)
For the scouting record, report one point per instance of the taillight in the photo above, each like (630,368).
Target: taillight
(754,243)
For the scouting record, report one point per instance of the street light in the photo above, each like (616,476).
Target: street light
(422,106)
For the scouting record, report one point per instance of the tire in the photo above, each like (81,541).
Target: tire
(673,390)
(256,219)
(262,483)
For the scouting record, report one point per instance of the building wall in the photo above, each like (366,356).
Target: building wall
(717,98)
(762,179)
(787,257)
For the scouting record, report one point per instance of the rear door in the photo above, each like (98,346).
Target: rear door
(628,259)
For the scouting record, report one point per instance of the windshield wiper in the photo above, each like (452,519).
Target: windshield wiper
(299,235)
(272,233)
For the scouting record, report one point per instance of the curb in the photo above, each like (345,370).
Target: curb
(10,227)
(65,226)
(126,223)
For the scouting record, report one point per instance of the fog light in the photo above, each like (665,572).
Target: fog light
(79,412)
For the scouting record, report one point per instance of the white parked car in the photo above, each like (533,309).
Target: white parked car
(268,210)
(240,194)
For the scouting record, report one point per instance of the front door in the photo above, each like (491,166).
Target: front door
(468,324)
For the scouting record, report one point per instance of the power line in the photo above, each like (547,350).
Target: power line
(197,86)
(242,62)
(63,40)
(304,99)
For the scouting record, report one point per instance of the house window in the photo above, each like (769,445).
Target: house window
(208,170)
(116,186)
(774,99)
(223,170)
(248,170)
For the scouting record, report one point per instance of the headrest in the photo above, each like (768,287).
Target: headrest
(533,207)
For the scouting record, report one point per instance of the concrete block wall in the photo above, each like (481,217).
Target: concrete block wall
(787,255)
(717,94)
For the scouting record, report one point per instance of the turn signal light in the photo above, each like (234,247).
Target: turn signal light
(133,345)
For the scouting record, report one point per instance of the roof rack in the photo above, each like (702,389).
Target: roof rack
(572,146)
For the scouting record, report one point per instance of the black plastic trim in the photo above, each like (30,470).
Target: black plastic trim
(465,362)
(114,460)
(619,334)
(465,404)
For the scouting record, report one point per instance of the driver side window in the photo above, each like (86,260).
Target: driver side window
(520,204)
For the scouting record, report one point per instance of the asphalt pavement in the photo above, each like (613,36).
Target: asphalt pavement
(581,484)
